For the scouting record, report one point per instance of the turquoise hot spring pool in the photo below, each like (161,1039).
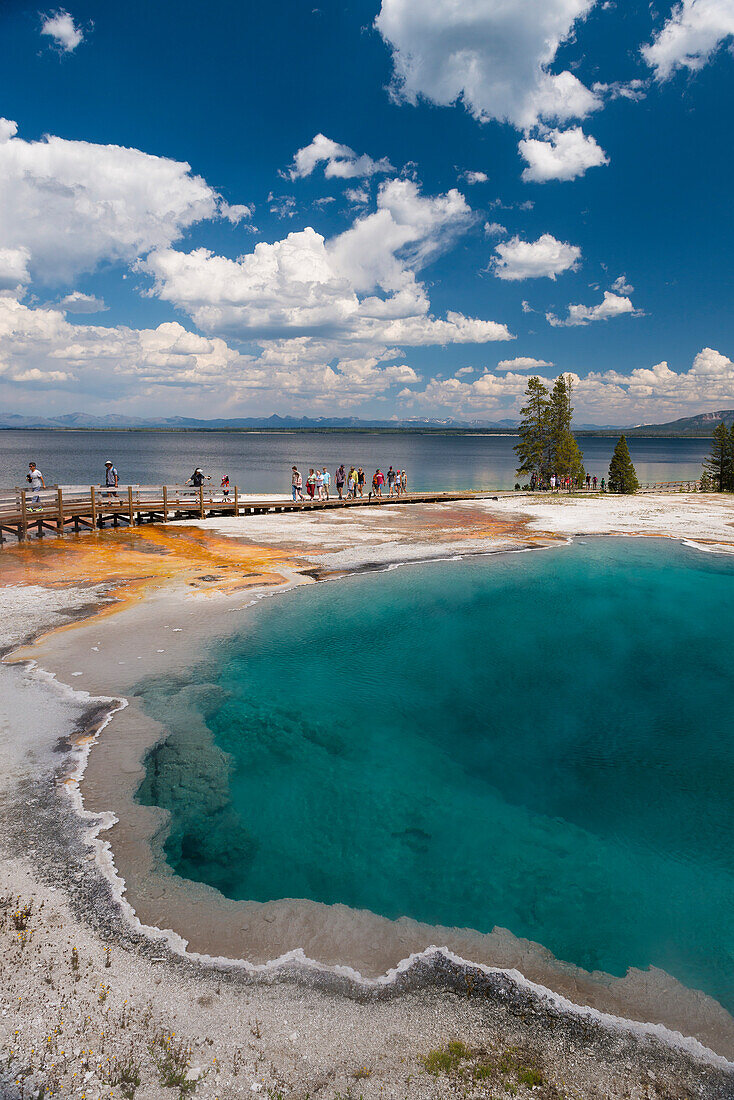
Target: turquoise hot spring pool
(540,741)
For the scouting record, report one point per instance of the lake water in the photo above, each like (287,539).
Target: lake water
(260,463)
(538,741)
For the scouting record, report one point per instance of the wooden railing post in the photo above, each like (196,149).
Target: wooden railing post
(165,504)
(130,514)
(94,505)
(236,501)
(60,521)
(201,501)
(23,515)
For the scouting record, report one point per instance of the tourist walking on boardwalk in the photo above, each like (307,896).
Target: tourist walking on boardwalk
(377,482)
(111,479)
(341,477)
(360,481)
(296,483)
(588,481)
(319,485)
(390,481)
(398,486)
(34,477)
(352,483)
(198,477)
(327,482)
(594,480)
(225,486)
(404,480)
(311,483)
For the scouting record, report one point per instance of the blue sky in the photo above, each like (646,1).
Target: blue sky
(240,209)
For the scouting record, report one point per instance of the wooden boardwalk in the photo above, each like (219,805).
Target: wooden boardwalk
(60,511)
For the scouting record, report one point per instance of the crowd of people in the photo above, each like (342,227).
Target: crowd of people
(571,484)
(348,484)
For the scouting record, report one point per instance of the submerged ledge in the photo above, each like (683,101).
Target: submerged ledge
(414,969)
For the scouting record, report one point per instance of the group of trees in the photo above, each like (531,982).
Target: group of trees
(547,445)
(718,468)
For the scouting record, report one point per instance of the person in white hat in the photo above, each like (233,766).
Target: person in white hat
(199,477)
(111,479)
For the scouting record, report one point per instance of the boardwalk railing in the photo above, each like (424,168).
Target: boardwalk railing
(60,508)
(56,507)
(670,487)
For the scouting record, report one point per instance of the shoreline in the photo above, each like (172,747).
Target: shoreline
(295,966)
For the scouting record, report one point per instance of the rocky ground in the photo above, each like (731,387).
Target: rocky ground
(90,1007)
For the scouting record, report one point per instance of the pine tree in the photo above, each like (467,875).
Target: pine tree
(533,429)
(568,458)
(563,455)
(622,476)
(719,464)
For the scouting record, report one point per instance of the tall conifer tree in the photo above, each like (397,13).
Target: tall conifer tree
(719,464)
(564,457)
(622,475)
(533,429)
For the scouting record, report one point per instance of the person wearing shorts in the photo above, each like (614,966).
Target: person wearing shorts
(360,481)
(327,482)
(341,477)
(111,479)
(34,477)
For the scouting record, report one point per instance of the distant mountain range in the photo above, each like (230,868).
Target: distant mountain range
(84,421)
(701,425)
(113,422)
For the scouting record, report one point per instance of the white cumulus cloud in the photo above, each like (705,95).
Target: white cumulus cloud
(360,196)
(545,258)
(41,350)
(621,286)
(612,305)
(492,55)
(99,202)
(645,394)
(691,35)
(77,302)
(339,161)
(523,363)
(359,285)
(61,27)
(474,177)
(14,273)
(560,155)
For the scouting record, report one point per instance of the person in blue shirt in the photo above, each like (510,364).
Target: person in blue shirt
(111,479)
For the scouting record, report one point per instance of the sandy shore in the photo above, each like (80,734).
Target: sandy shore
(292,1029)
